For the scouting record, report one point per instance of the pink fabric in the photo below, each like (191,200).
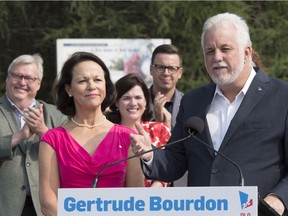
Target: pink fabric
(78,169)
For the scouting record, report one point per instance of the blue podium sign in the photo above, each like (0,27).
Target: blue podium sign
(196,201)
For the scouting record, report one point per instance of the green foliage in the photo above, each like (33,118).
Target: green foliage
(33,27)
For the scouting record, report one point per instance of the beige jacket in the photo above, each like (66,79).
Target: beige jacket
(19,165)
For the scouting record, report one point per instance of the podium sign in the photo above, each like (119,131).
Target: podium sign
(196,201)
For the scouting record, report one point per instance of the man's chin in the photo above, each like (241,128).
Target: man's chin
(20,96)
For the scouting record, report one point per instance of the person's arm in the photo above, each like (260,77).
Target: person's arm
(134,175)
(49,180)
(8,142)
(21,135)
(167,118)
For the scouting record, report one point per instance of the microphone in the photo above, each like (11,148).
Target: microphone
(95,182)
(196,125)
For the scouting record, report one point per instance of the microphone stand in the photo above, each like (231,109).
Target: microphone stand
(95,182)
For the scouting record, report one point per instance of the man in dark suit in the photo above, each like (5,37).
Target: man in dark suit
(23,121)
(246,119)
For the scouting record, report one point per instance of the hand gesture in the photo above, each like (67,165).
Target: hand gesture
(160,112)
(34,118)
(141,142)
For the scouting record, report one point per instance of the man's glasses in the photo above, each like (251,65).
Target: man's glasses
(19,77)
(162,68)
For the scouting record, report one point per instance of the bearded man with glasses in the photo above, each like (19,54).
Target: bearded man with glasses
(23,121)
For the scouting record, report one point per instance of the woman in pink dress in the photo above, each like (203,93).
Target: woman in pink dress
(131,106)
(71,156)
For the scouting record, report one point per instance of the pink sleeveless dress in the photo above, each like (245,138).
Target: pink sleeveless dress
(78,169)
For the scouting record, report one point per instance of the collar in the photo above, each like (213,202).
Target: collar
(15,106)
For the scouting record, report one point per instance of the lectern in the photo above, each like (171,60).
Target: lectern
(170,201)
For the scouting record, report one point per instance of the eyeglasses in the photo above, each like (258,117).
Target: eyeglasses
(162,68)
(19,77)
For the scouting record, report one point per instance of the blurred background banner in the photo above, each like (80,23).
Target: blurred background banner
(121,56)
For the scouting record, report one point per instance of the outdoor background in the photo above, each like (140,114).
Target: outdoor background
(28,27)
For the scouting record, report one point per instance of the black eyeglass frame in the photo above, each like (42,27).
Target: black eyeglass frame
(161,68)
(18,77)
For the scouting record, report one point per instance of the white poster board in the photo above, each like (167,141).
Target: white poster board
(170,201)
(121,56)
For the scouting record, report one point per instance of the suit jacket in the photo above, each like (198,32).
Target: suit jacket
(19,165)
(257,140)
(176,103)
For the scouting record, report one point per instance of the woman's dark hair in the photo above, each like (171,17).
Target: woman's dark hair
(124,85)
(62,100)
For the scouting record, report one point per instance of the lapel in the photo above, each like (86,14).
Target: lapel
(254,94)
(176,103)
(8,113)
(203,106)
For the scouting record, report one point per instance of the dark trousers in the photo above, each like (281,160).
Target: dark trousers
(28,209)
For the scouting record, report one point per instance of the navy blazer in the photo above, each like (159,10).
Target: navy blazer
(257,140)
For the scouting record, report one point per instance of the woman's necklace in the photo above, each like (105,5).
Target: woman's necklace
(89,126)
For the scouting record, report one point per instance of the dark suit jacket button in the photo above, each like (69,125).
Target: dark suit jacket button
(214,171)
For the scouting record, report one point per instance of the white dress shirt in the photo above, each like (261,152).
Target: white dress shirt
(222,111)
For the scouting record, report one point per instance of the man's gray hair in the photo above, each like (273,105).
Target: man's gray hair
(28,59)
(224,19)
